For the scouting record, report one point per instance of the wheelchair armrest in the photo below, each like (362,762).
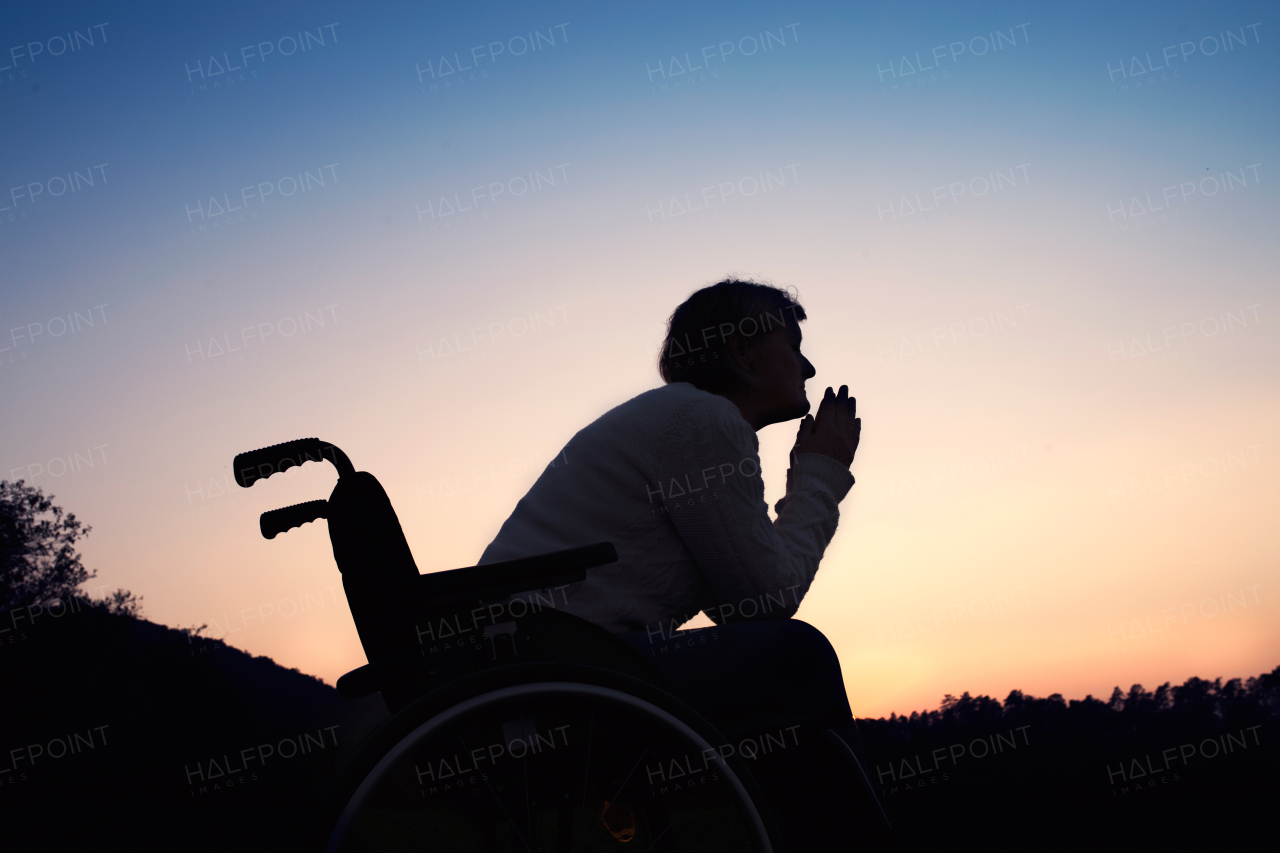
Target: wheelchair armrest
(440,591)
(498,580)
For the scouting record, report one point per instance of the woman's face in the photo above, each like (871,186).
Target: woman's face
(779,372)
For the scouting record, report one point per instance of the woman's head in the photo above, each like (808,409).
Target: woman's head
(741,339)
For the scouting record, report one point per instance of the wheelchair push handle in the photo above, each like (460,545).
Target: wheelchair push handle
(260,464)
(286,518)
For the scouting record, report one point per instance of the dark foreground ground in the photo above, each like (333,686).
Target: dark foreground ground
(117,733)
(175,742)
(1192,767)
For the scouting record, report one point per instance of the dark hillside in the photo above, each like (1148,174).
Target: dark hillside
(119,732)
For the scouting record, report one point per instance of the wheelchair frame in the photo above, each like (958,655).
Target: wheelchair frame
(394,607)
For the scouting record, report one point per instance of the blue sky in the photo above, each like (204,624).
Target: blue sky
(596,192)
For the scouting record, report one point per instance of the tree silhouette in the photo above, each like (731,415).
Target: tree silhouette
(38,560)
(1087,730)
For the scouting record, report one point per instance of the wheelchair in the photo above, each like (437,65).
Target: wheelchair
(515,726)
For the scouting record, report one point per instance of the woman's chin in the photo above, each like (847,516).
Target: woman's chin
(799,410)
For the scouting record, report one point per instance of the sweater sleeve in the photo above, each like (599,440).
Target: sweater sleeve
(714,495)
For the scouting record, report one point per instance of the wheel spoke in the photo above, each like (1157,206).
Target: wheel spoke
(587,775)
(528,819)
(672,824)
(421,829)
(621,788)
(443,816)
(498,800)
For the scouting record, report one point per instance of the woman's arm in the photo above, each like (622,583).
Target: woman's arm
(714,494)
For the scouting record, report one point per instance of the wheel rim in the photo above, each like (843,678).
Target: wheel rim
(679,793)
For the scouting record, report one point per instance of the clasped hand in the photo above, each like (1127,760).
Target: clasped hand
(834,432)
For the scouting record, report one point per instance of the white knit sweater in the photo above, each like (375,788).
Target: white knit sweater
(672,479)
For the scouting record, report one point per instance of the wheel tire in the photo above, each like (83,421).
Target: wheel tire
(603,760)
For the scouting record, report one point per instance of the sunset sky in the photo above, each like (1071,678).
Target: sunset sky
(1038,243)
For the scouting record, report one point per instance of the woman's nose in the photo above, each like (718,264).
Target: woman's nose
(807,368)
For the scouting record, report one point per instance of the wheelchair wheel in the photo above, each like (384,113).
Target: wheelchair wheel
(545,758)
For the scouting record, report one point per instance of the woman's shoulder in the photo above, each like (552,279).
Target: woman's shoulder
(676,401)
(677,414)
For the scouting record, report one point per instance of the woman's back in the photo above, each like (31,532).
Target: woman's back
(672,479)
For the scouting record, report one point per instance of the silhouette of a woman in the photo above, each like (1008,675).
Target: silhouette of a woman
(672,479)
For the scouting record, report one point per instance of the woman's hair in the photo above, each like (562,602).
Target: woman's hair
(700,334)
